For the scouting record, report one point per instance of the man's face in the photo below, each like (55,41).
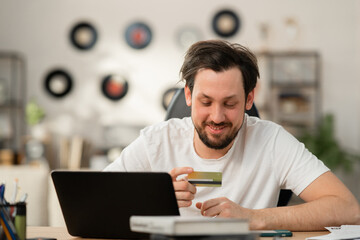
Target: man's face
(218,106)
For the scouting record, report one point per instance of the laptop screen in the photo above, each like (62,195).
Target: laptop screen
(99,204)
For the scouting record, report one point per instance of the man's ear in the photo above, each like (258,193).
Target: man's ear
(187,95)
(250,100)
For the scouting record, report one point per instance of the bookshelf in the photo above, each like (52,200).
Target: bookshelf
(294,89)
(12,101)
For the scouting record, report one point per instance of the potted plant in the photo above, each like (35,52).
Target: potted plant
(323,144)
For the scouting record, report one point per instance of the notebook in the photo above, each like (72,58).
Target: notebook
(99,204)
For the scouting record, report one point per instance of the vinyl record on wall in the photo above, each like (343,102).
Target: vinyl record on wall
(114,87)
(83,36)
(138,35)
(226,23)
(188,36)
(58,83)
(167,96)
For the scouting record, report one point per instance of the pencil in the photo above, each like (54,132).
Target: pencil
(5,229)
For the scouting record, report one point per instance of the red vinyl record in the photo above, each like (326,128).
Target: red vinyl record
(114,87)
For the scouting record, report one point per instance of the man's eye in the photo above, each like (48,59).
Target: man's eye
(206,103)
(230,104)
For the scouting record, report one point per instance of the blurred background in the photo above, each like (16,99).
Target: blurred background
(79,79)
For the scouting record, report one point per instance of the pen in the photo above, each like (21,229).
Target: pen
(24,197)
(2,192)
(7,234)
(8,225)
(13,200)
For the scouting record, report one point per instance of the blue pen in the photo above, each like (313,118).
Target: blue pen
(2,193)
(9,224)
(4,215)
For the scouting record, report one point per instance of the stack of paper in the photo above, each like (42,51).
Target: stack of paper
(343,232)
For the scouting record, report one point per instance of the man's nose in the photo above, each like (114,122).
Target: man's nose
(217,114)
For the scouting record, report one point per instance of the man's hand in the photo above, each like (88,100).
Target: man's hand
(327,203)
(184,191)
(223,207)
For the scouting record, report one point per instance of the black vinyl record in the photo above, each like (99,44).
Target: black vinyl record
(226,23)
(138,35)
(83,36)
(114,87)
(58,83)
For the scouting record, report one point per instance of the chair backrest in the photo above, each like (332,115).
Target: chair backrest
(178,109)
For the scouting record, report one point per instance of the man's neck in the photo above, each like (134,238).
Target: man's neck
(208,153)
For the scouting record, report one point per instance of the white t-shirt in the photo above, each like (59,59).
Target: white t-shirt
(263,159)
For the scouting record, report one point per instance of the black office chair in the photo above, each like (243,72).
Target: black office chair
(178,109)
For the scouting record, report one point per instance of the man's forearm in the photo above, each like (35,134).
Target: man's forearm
(314,215)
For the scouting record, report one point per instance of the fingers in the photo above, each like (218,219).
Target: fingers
(223,207)
(175,172)
(183,203)
(212,207)
(184,186)
(184,191)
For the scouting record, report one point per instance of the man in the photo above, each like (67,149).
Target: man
(256,157)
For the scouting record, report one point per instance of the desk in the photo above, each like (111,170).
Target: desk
(60,233)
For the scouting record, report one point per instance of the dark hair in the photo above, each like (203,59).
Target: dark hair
(219,56)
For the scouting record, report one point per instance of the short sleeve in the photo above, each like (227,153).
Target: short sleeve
(294,165)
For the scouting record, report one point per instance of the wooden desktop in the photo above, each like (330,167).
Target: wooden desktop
(60,233)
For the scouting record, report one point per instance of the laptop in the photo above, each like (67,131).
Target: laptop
(99,204)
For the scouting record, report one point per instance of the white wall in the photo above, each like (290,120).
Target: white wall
(39,30)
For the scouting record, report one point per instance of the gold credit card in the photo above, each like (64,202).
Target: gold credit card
(205,179)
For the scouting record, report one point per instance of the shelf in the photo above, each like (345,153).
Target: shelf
(294,83)
(12,102)
(295,117)
(11,107)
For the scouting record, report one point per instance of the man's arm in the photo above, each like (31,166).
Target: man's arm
(328,203)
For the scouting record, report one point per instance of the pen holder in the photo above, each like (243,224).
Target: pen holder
(13,221)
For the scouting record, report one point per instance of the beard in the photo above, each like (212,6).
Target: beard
(218,142)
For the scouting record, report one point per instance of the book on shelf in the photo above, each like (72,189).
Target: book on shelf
(185,226)
(75,153)
(64,152)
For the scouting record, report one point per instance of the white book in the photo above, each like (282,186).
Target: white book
(76,149)
(177,225)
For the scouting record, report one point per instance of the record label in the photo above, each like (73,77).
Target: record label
(138,35)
